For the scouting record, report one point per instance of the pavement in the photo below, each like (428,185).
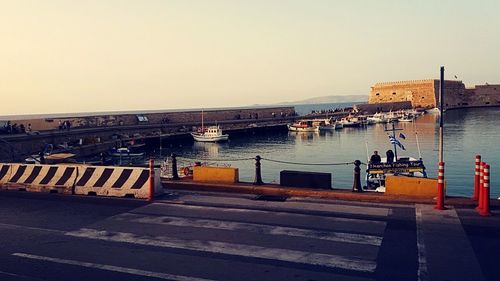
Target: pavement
(200,235)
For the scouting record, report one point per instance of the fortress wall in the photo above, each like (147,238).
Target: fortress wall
(210,116)
(421,93)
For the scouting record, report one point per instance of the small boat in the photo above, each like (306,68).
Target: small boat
(350,122)
(210,134)
(328,125)
(406,118)
(303,126)
(377,118)
(125,152)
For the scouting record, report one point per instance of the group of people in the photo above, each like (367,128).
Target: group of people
(66,125)
(375,158)
(10,128)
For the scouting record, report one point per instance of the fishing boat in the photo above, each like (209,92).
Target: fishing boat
(209,134)
(350,121)
(303,126)
(328,125)
(403,165)
(377,118)
(125,152)
(406,118)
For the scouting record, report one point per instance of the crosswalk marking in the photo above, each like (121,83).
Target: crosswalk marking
(294,256)
(112,268)
(369,226)
(253,227)
(302,206)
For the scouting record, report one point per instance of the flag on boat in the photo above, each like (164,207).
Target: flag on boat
(395,141)
(401,135)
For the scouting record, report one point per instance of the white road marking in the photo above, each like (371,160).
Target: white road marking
(7,225)
(326,260)
(422,260)
(302,206)
(112,268)
(369,226)
(253,227)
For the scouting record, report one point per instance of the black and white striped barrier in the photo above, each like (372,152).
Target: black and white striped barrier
(38,178)
(116,182)
(83,180)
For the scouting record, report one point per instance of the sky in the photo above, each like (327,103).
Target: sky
(116,55)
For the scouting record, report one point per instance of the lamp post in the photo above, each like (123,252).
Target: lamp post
(440,185)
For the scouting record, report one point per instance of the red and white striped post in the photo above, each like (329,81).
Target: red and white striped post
(151,180)
(485,211)
(440,187)
(475,196)
(481,181)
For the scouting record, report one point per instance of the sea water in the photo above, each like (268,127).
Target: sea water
(467,132)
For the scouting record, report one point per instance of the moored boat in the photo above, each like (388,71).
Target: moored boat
(303,126)
(210,134)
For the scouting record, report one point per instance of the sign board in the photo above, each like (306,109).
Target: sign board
(396,167)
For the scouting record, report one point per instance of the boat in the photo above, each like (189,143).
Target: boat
(125,152)
(377,118)
(209,134)
(303,126)
(406,118)
(403,165)
(328,125)
(350,121)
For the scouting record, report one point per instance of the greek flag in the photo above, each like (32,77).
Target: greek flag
(393,140)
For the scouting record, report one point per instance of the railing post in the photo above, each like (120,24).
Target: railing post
(356,185)
(175,175)
(258,175)
(151,180)
(440,188)
(485,211)
(475,196)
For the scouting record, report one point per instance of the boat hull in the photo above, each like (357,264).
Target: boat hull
(202,138)
(303,129)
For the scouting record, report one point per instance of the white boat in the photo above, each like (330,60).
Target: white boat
(209,134)
(406,118)
(350,122)
(124,152)
(328,125)
(303,126)
(377,118)
(433,110)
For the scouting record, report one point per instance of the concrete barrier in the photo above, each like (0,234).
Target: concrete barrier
(4,173)
(305,179)
(115,181)
(215,174)
(40,178)
(411,186)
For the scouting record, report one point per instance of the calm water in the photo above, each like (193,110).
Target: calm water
(467,133)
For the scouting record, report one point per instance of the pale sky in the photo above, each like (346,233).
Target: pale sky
(98,55)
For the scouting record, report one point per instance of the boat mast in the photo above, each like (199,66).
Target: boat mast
(394,136)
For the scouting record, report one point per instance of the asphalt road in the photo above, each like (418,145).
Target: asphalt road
(203,236)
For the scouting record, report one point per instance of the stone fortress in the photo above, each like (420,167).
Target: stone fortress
(425,94)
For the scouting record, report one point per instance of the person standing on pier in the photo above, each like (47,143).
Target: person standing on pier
(390,156)
(375,158)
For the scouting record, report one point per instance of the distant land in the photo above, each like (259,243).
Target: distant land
(329,99)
